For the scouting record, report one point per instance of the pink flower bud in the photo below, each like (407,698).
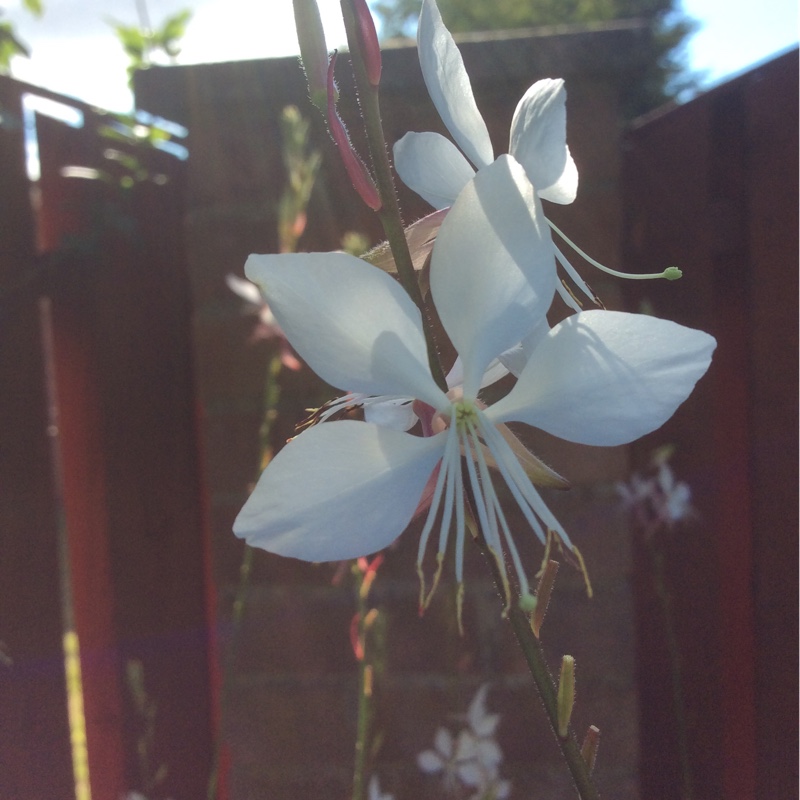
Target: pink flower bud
(370,49)
(356,169)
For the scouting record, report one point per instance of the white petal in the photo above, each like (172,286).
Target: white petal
(539,141)
(443,741)
(432,166)
(466,746)
(515,359)
(492,274)
(350,322)
(247,290)
(606,377)
(428,761)
(480,721)
(489,754)
(339,490)
(494,372)
(449,87)
(395,413)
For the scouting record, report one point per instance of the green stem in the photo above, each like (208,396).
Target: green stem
(389,214)
(364,718)
(548,692)
(546,687)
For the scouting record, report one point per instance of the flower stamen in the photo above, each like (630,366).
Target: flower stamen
(670,273)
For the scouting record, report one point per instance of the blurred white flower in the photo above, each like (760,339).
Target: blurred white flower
(375,792)
(267,327)
(472,759)
(659,500)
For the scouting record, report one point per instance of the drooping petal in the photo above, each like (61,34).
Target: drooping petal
(351,323)
(432,166)
(420,236)
(339,490)
(492,275)
(449,87)
(539,141)
(607,377)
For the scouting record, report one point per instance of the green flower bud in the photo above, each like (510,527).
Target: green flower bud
(313,50)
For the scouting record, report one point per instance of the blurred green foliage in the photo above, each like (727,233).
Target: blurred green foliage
(10,44)
(145,46)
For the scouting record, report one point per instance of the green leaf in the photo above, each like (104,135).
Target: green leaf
(34,6)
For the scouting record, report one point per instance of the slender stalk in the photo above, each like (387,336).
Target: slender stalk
(389,214)
(364,718)
(545,685)
(272,391)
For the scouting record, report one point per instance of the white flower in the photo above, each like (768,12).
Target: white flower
(658,500)
(454,758)
(481,722)
(267,327)
(345,489)
(375,792)
(433,167)
(473,759)
(674,501)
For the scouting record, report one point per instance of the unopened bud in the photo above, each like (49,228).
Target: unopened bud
(566,695)
(313,50)
(543,593)
(356,169)
(590,745)
(368,36)
(673,273)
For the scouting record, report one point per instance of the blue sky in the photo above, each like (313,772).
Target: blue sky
(74,51)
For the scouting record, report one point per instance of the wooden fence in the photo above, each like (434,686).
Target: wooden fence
(102,520)
(712,186)
(106,497)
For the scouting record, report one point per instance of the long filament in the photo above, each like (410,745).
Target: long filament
(614,272)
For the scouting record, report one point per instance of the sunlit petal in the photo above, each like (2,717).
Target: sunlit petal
(539,141)
(606,377)
(339,490)
(449,87)
(492,275)
(433,167)
(351,323)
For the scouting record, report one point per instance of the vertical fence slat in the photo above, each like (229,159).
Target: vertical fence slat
(711,186)
(35,761)
(123,362)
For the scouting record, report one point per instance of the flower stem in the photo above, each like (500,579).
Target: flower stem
(673,648)
(364,718)
(542,678)
(389,214)
(537,664)
(272,391)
